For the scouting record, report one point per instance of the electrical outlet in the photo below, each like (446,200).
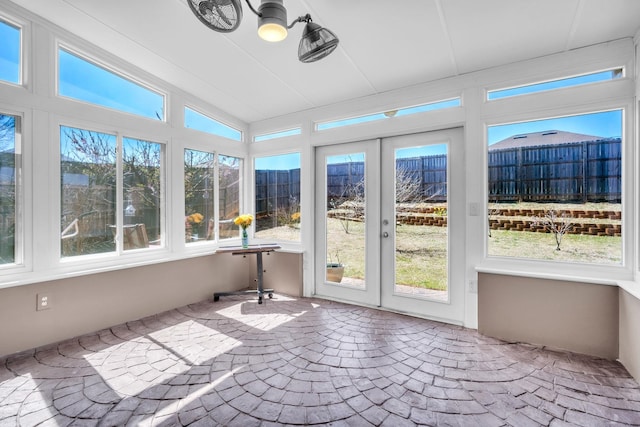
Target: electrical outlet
(473,286)
(43,302)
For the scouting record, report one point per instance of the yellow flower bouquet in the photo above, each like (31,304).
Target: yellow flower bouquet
(191,224)
(195,218)
(244,221)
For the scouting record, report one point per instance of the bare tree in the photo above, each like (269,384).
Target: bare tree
(349,205)
(408,186)
(91,155)
(557,222)
(7,132)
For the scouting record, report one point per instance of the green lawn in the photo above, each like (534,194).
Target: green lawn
(574,248)
(421,258)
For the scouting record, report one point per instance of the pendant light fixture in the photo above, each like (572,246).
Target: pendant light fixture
(225,16)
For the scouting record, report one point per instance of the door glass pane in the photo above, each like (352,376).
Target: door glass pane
(421,222)
(345,239)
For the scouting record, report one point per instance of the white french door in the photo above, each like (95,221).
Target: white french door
(390,215)
(347,221)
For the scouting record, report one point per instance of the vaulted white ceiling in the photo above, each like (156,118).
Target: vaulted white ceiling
(384,45)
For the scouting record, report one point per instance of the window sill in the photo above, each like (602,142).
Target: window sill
(69,270)
(545,275)
(552,270)
(631,287)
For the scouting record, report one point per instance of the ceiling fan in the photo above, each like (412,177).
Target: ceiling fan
(225,16)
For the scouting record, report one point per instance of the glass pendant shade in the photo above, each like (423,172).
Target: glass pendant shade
(316,43)
(272,21)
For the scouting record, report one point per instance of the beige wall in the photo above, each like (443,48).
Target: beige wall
(89,303)
(283,272)
(630,333)
(563,315)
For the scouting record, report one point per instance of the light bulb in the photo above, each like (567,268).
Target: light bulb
(272,32)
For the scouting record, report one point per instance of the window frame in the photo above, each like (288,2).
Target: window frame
(289,244)
(489,91)
(200,112)
(110,68)
(278,134)
(321,126)
(119,257)
(217,151)
(23,210)
(587,272)
(23,28)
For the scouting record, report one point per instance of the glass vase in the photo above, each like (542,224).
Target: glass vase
(245,238)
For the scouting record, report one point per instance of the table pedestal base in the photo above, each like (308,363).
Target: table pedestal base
(252,249)
(269,292)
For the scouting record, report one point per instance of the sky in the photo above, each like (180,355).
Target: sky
(85,81)
(280,162)
(9,53)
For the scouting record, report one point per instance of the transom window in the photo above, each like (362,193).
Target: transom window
(276,135)
(405,111)
(10,52)
(83,80)
(203,123)
(556,84)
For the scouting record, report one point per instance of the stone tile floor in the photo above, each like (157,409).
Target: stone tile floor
(306,362)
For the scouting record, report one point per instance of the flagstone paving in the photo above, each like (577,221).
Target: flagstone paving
(307,362)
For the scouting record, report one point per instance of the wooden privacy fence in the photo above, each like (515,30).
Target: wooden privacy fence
(587,171)
(576,172)
(277,190)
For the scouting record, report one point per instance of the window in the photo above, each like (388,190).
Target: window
(274,135)
(450,103)
(555,189)
(9,52)
(556,84)
(88,199)
(229,173)
(85,81)
(198,121)
(277,192)
(90,193)
(10,166)
(143,193)
(199,195)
